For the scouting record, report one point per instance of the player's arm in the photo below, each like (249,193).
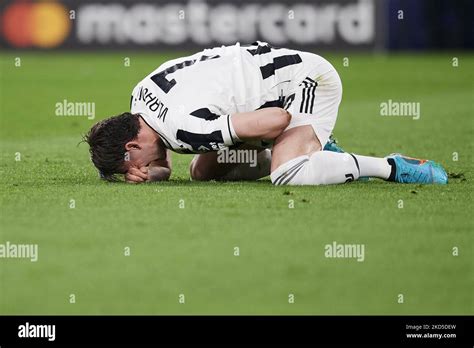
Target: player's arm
(265,124)
(205,130)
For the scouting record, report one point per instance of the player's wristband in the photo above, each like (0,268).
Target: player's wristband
(233,136)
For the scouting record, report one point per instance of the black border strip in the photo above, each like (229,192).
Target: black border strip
(139,330)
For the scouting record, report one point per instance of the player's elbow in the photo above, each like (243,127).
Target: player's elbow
(158,173)
(279,121)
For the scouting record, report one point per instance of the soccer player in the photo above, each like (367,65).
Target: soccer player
(252,97)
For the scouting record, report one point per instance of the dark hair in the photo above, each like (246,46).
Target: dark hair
(107,139)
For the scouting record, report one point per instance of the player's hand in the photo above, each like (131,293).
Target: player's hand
(136,175)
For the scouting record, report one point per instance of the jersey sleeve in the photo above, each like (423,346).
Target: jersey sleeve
(204,129)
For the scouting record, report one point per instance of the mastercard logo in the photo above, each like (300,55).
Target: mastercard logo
(43,24)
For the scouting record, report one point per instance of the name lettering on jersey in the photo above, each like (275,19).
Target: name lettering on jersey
(153,103)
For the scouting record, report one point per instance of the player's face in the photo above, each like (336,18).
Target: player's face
(140,155)
(143,150)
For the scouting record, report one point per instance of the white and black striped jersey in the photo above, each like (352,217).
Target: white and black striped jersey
(189,101)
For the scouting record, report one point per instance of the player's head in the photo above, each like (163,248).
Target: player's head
(119,142)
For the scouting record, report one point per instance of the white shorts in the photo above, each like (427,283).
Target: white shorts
(316,100)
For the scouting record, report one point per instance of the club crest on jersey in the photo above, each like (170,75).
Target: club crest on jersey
(153,103)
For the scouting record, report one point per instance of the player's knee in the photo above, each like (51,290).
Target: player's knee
(196,171)
(193,172)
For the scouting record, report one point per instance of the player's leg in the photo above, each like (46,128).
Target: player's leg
(326,167)
(297,158)
(207,166)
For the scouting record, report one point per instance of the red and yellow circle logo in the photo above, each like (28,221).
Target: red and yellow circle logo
(43,24)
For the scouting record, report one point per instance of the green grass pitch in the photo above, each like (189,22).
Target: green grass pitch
(190,250)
